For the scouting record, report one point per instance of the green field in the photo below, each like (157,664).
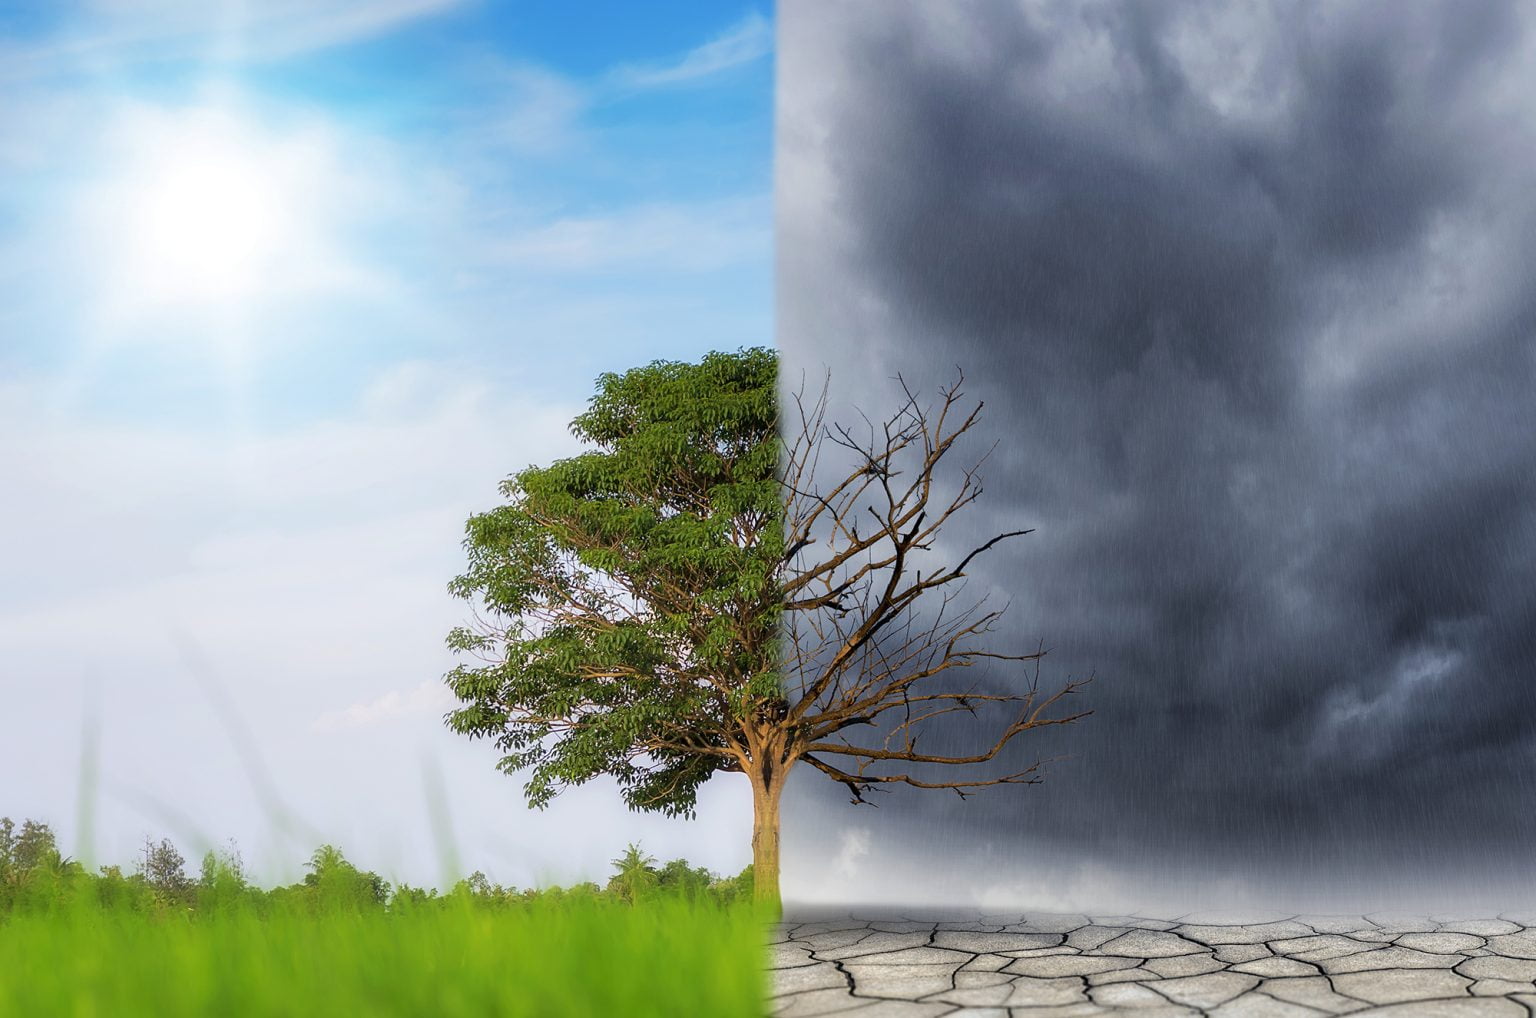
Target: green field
(659,941)
(543,959)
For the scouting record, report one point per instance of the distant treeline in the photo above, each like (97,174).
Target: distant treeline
(36,876)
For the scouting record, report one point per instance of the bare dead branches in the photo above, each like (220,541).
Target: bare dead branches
(862,638)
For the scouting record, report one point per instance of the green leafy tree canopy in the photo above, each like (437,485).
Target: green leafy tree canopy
(632,589)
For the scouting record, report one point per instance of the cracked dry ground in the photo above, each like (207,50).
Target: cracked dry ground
(1048,965)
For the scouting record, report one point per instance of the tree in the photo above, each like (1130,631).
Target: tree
(224,866)
(30,857)
(165,870)
(222,883)
(688,598)
(34,847)
(333,882)
(634,874)
(678,877)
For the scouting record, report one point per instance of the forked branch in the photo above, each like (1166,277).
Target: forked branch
(862,638)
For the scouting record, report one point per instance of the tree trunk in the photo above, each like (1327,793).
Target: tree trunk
(767,789)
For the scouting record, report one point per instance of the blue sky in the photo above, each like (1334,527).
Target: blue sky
(285,290)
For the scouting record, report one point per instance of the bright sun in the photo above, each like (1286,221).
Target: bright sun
(208,224)
(204,211)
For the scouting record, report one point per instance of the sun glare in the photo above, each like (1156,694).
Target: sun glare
(209,213)
(208,224)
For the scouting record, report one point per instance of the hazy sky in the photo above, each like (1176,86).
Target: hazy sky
(287,289)
(1247,291)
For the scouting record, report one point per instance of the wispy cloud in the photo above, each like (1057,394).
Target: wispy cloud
(303,26)
(853,847)
(748,40)
(123,32)
(430,697)
(536,110)
(696,236)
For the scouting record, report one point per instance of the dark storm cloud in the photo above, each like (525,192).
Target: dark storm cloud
(1247,291)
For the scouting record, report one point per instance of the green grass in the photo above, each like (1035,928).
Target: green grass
(542,959)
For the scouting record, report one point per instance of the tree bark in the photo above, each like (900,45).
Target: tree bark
(767,790)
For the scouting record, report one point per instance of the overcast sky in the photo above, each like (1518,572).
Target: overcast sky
(1247,291)
(286,289)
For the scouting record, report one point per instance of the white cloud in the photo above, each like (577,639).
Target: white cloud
(322,554)
(431,697)
(302,25)
(748,40)
(853,846)
(126,32)
(534,110)
(699,236)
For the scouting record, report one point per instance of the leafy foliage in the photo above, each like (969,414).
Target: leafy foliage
(635,875)
(631,589)
(164,870)
(222,883)
(33,873)
(340,885)
(34,877)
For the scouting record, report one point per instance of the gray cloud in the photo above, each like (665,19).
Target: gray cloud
(1246,290)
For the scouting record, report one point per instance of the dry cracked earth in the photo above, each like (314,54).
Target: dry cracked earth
(1048,965)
